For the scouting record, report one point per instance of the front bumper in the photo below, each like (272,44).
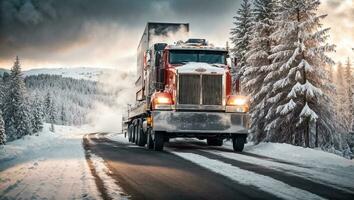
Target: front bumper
(200,122)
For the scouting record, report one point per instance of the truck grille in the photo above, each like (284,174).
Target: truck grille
(212,89)
(189,89)
(194,88)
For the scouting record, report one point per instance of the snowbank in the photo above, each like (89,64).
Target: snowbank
(301,155)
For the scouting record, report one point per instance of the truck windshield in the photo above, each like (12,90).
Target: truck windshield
(184,56)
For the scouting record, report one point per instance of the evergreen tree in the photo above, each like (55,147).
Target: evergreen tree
(2,130)
(332,91)
(38,114)
(240,37)
(343,114)
(349,90)
(299,97)
(63,115)
(50,111)
(16,113)
(2,92)
(47,106)
(76,96)
(52,116)
(255,78)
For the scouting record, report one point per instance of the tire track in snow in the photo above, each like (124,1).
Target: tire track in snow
(301,178)
(105,184)
(338,185)
(190,144)
(168,176)
(245,177)
(285,175)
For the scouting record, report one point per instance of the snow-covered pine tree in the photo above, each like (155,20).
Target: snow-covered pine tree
(342,103)
(52,117)
(47,106)
(258,65)
(2,130)
(349,84)
(16,112)
(37,114)
(240,37)
(2,89)
(2,123)
(63,117)
(299,96)
(332,91)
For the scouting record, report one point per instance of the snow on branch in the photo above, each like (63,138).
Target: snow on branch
(309,89)
(307,112)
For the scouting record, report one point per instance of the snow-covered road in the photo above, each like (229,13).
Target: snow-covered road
(72,164)
(286,173)
(49,166)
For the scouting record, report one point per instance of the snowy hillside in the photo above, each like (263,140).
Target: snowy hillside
(86,73)
(77,73)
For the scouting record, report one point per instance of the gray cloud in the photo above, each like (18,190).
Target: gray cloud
(106,33)
(49,29)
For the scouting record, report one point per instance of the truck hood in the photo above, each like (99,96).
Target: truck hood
(197,67)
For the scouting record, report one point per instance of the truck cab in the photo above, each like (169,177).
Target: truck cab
(186,91)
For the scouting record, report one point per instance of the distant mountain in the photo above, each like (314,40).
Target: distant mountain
(85,73)
(2,71)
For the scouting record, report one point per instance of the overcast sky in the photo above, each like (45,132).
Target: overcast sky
(91,33)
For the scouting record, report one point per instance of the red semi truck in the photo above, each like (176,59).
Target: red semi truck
(184,89)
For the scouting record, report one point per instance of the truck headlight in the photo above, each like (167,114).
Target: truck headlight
(162,101)
(237,103)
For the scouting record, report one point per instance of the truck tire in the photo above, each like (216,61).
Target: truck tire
(214,142)
(141,135)
(238,142)
(219,142)
(150,142)
(133,134)
(136,134)
(158,141)
(130,133)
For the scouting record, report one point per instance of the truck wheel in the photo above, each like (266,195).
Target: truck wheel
(238,142)
(137,134)
(158,141)
(150,142)
(214,142)
(141,135)
(218,142)
(130,133)
(133,134)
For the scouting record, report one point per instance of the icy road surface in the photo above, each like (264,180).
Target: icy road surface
(188,169)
